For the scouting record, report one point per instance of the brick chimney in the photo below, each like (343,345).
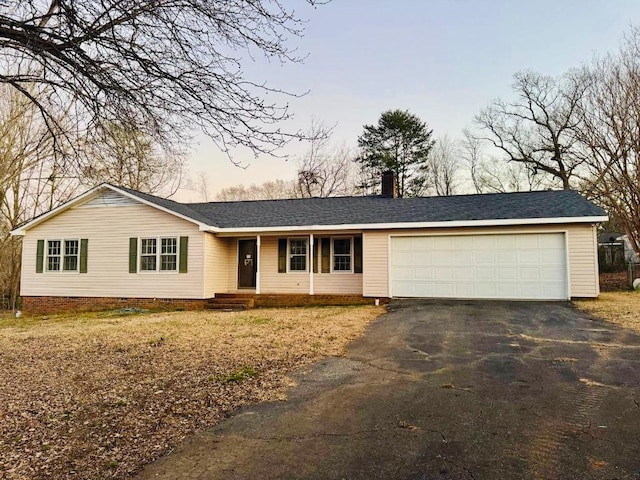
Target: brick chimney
(389,186)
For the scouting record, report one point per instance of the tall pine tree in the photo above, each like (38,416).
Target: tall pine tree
(400,142)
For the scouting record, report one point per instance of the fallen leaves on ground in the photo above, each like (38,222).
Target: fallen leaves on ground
(614,281)
(621,308)
(97,396)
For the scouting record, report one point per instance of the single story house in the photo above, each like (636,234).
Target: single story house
(117,246)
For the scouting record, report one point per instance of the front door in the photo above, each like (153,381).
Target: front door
(247,263)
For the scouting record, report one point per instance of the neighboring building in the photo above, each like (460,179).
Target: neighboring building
(611,252)
(116,246)
(615,250)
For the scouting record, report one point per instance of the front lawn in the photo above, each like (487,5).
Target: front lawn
(98,396)
(621,308)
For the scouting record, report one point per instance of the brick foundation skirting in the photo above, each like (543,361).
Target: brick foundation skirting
(275,300)
(50,305)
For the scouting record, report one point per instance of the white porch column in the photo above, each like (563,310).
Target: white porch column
(311,264)
(258,264)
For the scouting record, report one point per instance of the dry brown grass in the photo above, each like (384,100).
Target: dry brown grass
(621,308)
(98,396)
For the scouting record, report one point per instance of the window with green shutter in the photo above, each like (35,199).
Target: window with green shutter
(62,255)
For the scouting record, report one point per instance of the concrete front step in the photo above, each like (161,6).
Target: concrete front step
(226,306)
(232,303)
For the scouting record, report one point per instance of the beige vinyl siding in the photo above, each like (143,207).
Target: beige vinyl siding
(583,257)
(108,230)
(218,259)
(583,262)
(337,283)
(375,263)
(273,282)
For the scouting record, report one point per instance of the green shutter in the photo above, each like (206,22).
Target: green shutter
(326,255)
(315,255)
(40,257)
(184,254)
(357,254)
(282,255)
(133,255)
(84,245)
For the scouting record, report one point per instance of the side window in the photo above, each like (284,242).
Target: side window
(298,254)
(54,253)
(62,255)
(342,255)
(169,254)
(71,255)
(148,254)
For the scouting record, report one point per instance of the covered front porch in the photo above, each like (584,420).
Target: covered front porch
(281,263)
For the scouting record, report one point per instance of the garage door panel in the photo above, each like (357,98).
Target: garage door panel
(508,257)
(442,257)
(463,257)
(402,258)
(421,258)
(506,274)
(442,274)
(484,257)
(512,266)
(402,273)
(463,273)
(423,273)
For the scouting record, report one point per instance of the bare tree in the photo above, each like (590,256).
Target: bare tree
(325,170)
(277,189)
(164,65)
(201,185)
(538,128)
(490,174)
(444,166)
(609,130)
(31,181)
(471,156)
(127,157)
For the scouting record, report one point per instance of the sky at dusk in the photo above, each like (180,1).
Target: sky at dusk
(442,60)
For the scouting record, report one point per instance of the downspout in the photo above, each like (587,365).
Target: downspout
(257,264)
(311,264)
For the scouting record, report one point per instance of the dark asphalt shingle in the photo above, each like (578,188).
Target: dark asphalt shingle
(377,210)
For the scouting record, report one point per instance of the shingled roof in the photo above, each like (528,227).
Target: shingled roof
(373,210)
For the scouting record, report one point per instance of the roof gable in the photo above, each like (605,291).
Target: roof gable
(105,195)
(109,198)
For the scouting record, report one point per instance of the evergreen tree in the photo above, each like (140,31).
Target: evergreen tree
(400,142)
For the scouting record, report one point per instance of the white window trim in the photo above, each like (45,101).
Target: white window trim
(45,266)
(350,254)
(158,255)
(306,242)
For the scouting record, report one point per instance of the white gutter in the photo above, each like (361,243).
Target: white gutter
(390,226)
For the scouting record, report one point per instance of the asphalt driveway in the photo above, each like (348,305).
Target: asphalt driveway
(444,390)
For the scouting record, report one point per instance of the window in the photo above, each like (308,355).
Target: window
(297,254)
(71,255)
(148,254)
(62,255)
(169,254)
(342,254)
(159,254)
(54,253)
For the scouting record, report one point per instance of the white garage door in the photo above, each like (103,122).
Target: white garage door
(522,266)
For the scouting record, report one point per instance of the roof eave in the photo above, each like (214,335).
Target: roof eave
(408,225)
